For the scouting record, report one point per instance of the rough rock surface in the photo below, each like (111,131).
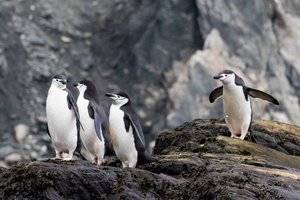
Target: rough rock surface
(163,53)
(195,161)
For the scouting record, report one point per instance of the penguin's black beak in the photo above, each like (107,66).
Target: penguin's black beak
(110,95)
(63,81)
(217,77)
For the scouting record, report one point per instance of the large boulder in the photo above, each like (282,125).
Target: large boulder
(163,53)
(194,161)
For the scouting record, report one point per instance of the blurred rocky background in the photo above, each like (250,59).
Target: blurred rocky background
(163,53)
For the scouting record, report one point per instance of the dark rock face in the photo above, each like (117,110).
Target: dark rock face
(163,53)
(194,161)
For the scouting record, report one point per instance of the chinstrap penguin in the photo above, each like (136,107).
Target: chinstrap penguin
(126,131)
(236,102)
(62,117)
(94,134)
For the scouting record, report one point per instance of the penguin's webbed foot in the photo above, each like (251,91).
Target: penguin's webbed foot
(124,164)
(68,158)
(97,161)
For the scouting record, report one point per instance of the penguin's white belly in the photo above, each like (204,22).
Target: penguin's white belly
(237,110)
(123,142)
(88,134)
(61,120)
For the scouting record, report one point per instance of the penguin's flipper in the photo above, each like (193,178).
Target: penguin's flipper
(72,105)
(131,119)
(97,113)
(93,113)
(216,93)
(79,144)
(72,97)
(262,95)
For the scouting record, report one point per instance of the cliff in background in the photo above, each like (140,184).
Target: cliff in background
(163,53)
(194,161)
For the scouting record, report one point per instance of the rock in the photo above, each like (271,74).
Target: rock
(41,123)
(292,148)
(65,39)
(13,157)
(163,53)
(3,165)
(35,40)
(21,131)
(193,161)
(279,131)
(271,155)
(6,149)
(86,63)
(266,140)
(3,65)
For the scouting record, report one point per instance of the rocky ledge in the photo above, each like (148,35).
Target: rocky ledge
(194,161)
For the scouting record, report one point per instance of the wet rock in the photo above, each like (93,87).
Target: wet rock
(292,148)
(287,136)
(266,140)
(243,147)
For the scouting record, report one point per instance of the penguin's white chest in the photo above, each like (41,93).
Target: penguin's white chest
(88,134)
(123,142)
(237,110)
(86,121)
(61,119)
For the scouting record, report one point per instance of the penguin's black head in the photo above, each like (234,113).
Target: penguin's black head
(59,77)
(89,89)
(119,98)
(123,94)
(223,74)
(88,84)
(226,76)
(59,81)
